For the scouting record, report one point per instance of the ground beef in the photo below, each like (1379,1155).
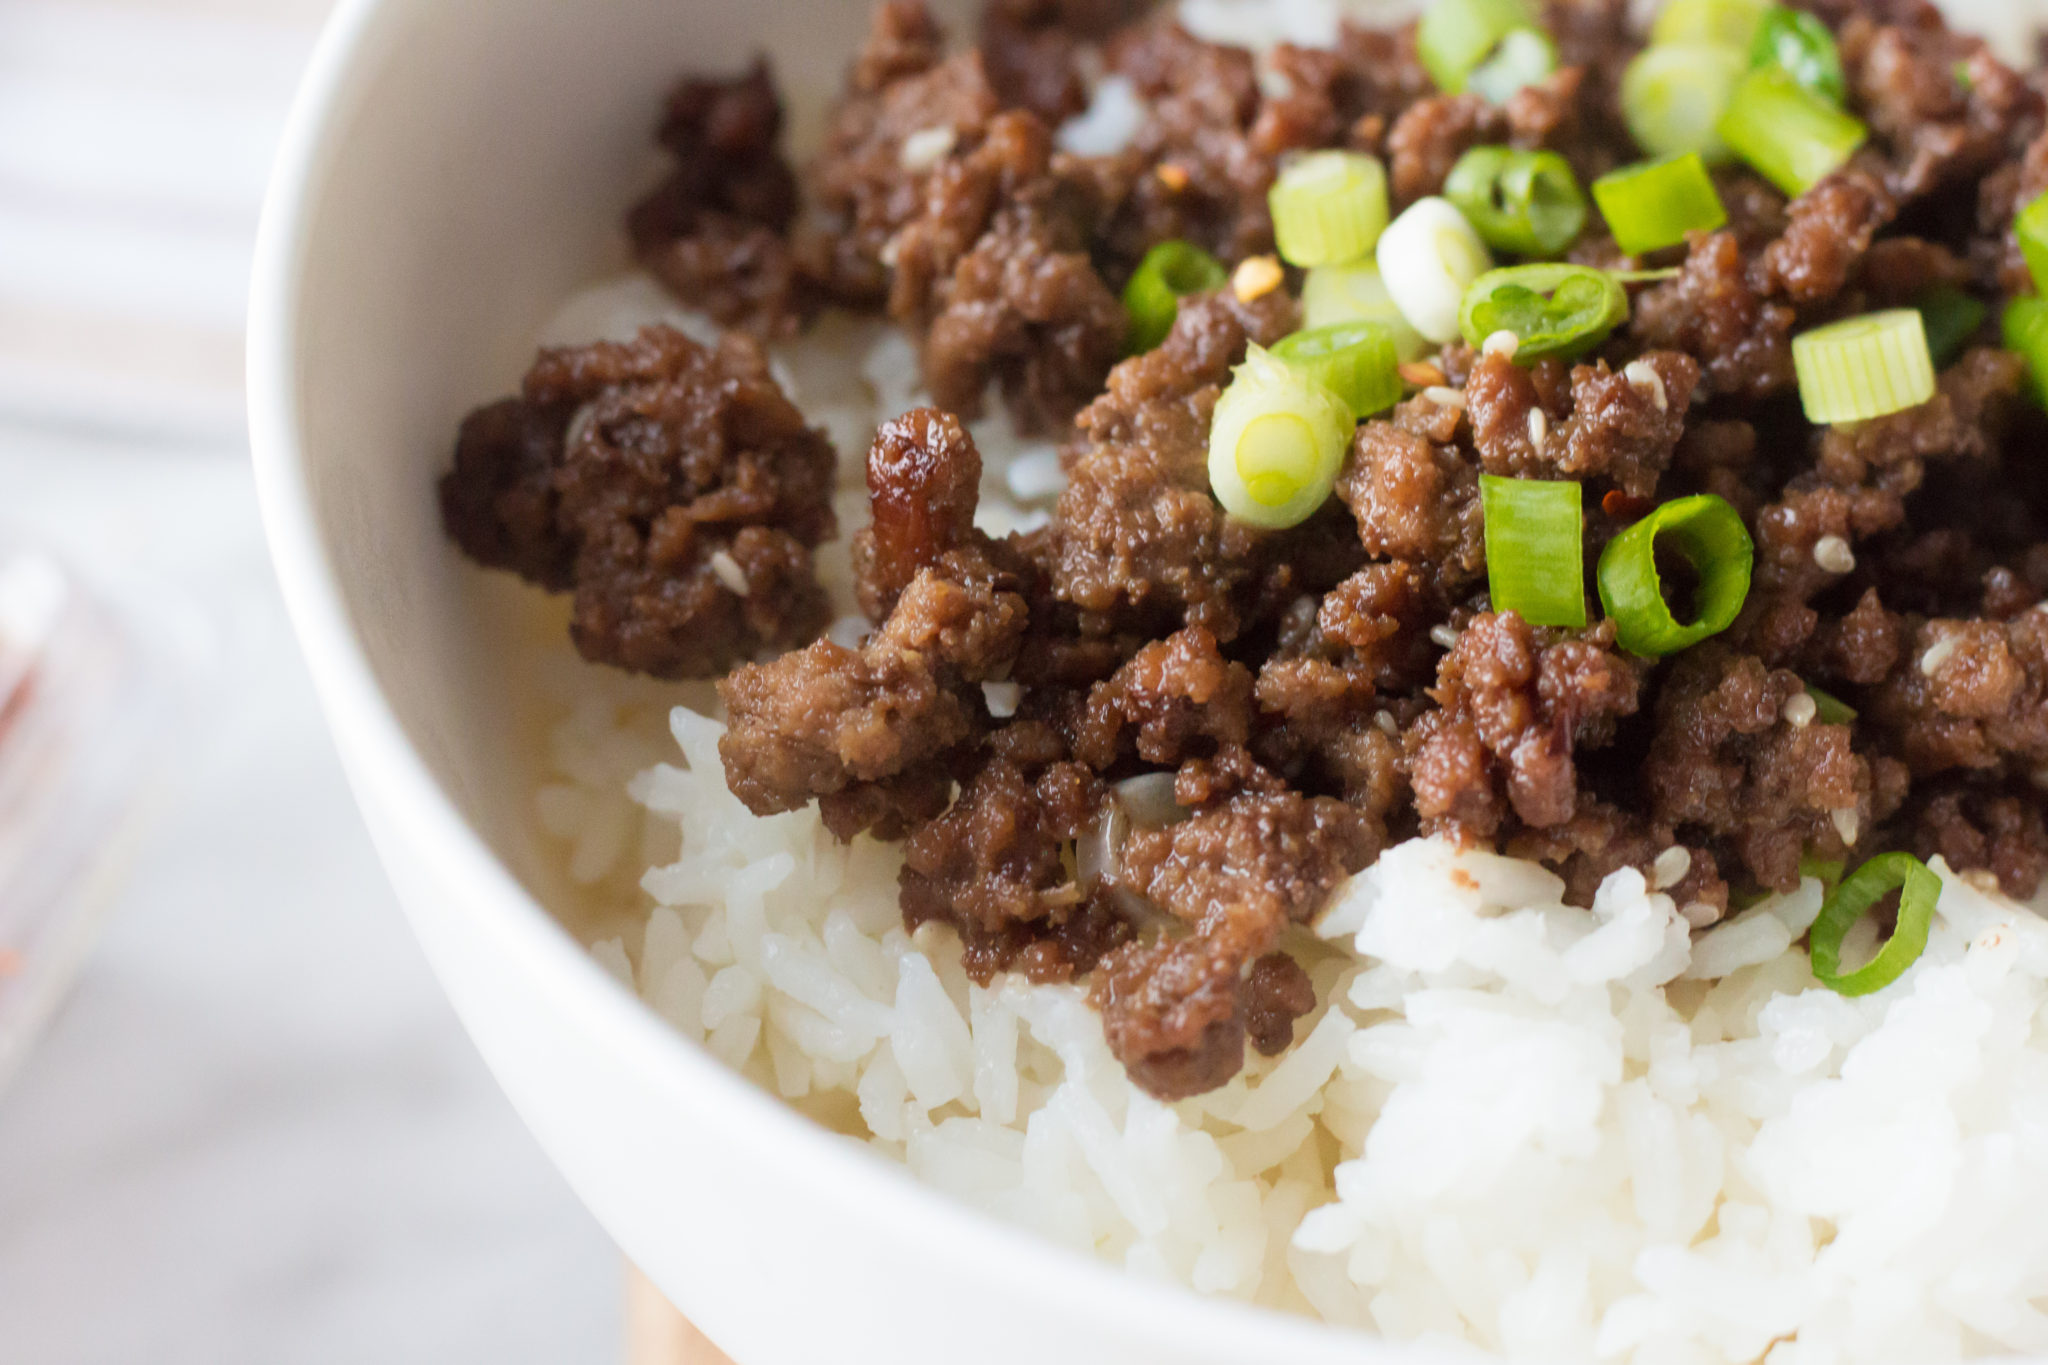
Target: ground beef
(1729,769)
(1312,693)
(1139,542)
(714,232)
(1235,875)
(1513,705)
(671,486)
(1710,312)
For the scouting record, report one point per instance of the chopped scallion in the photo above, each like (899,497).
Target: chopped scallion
(1276,444)
(1355,293)
(1653,205)
(1428,257)
(1801,45)
(1168,272)
(1525,202)
(1724,23)
(1951,318)
(1329,208)
(1454,37)
(1673,97)
(2031,227)
(1829,709)
(1919,889)
(2025,328)
(1535,545)
(1863,367)
(1354,360)
(1710,536)
(1552,309)
(1789,135)
(1525,56)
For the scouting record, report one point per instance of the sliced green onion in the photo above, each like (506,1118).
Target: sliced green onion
(1789,135)
(1354,360)
(1355,293)
(1863,367)
(1454,36)
(1428,257)
(1672,98)
(1276,444)
(1951,318)
(1829,709)
(1329,208)
(1552,309)
(1801,45)
(2031,227)
(1653,205)
(1918,890)
(1525,202)
(1535,546)
(1724,23)
(2025,328)
(1524,57)
(1710,535)
(1827,871)
(1168,272)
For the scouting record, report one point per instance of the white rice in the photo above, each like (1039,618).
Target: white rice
(1563,1134)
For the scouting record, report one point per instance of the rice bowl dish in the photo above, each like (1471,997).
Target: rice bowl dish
(1553,1116)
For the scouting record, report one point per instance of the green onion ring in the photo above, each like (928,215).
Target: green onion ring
(2030,225)
(1454,36)
(1829,709)
(1800,44)
(1354,360)
(1711,536)
(1950,318)
(1169,271)
(2025,328)
(1653,205)
(1918,890)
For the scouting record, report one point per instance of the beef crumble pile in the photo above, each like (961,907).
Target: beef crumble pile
(1213,724)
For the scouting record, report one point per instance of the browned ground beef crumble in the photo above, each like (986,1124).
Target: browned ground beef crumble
(1316,693)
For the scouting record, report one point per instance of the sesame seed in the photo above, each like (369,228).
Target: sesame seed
(927,147)
(1670,868)
(1003,698)
(1846,824)
(1502,343)
(1445,397)
(1800,711)
(1833,554)
(1701,914)
(1644,376)
(1444,636)
(1938,654)
(892,251)
(1985,880)
(1385,720)
(1539,426)
(1419,373)
(729,572)
(1256,277)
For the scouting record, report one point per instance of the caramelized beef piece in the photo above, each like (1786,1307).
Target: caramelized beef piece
(1277,992)
(1415,495)
(1619,428)
(714,232)
(1515,703)
(1176,699)
(1742,343)
(1728,764)
(680,503)
(1235,875)
(924,479)
(1139,542)
(499,503)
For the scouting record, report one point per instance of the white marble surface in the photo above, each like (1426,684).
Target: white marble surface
(255,1132)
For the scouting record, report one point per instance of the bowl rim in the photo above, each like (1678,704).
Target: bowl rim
(386,771)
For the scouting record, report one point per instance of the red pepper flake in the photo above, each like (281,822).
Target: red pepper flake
(1625,506)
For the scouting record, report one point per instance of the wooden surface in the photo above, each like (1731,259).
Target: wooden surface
(656,1334)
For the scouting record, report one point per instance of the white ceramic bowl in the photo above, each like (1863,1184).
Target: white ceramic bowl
(453,170)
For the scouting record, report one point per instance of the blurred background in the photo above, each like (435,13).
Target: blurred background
(252,1130)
